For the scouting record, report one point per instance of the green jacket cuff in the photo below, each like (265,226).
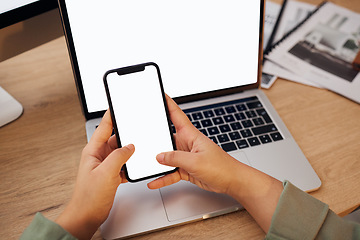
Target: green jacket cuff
(298,215)
(42,228)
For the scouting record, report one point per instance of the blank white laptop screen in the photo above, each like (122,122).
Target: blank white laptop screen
(6,6)
(181,36)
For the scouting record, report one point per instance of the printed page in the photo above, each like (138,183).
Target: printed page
(323,48)
(294,13)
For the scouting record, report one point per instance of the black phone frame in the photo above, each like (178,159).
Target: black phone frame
(129,70)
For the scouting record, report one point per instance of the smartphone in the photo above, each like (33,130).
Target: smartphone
(140,116)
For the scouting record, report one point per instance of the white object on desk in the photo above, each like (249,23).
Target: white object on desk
(10,108)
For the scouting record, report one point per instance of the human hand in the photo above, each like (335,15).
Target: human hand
(97,181)
(205,164)
(199,159)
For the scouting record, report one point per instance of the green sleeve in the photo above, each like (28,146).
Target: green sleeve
(300,216)
(42,228)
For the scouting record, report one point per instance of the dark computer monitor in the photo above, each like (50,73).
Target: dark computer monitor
(12,12)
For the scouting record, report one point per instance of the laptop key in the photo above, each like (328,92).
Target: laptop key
(197,116)
(219,111)
(218,120)
(206,123)
(235,126)
(252,105)
(254,141)
(264,114)
(246,133)
(264,129)
(229,118)
(208,114)
(242,144)
(267,118)
(258,121)
(197,124)
(223,138)
(213,130)
(276,136)
(240,116)
(241,107)
(230,109)
(224,128)
(228,147)
(251,114)
(234,135)
(247,123)
(265,138)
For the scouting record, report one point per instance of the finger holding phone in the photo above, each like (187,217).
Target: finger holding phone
(99,176)
(205,164)
(201,161)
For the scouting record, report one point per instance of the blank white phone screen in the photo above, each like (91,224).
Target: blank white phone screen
(141,119)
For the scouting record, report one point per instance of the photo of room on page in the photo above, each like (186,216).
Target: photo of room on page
(324,49)
(329,48)
(294,12)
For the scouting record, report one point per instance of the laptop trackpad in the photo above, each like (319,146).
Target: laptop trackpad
(240,156)
(186,200)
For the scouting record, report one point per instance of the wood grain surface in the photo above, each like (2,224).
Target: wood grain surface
(40,152)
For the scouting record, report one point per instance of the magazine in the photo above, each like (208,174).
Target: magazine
(294,13)
(272,11)
(323,49)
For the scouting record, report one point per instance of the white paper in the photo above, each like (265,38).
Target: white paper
(272,68)
(272,11)
(323,48)
(294,13)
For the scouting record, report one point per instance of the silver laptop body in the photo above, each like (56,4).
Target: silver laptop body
(104,35)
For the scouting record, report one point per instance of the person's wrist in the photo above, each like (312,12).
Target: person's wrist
(236,180)
(243,180)
(250,184)
(77,222)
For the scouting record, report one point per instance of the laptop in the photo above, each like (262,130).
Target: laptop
(209,54)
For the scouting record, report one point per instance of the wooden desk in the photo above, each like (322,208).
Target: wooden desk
(40,152)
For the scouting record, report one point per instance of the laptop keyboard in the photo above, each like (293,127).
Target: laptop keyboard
(235,124)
